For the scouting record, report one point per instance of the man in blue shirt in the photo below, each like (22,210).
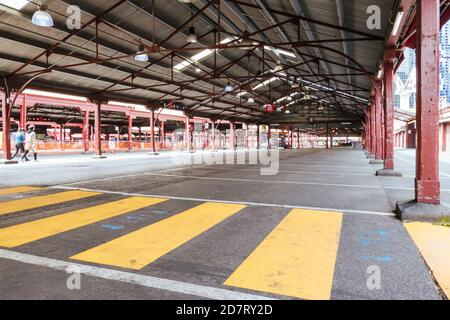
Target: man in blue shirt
(20,139)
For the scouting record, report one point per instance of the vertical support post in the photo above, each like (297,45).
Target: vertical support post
(298,138)
(130,133)
(258,133)
(292,138)
(246,135)
(152,129)
(61,137)
(6,124)
(162,134)
(188,135)
(98,129)
(85,133)
(427,151)
(232,136)
(389,115)
(269,137)
(378,124)
(327,135)
(213,138)
(23,113)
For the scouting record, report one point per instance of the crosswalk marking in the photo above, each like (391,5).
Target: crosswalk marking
(139,248)
(297,258)
(42,201)
(31,231)
(433,242)
(15,190)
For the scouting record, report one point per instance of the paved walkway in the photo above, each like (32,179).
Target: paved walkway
(143,227)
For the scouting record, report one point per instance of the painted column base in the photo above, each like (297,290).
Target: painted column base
(414,211)
(99,157)
(375,161)
(153,153)
(370,156)
(388,173)
(3,161)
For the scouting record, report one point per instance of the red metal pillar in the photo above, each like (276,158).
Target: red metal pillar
(232,136)
(246,135)
(269,137)
(61,137)
(162,134)
(298,139)
(378,124)
(188,134)
(23,113)
(6,124)
(292,138)
(389,115)
(373,138)
(152,128)
(257,136)
(327,135)
(130,133)
(427,151)
(98,129)
(85,133)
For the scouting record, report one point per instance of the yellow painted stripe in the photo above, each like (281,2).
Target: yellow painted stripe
(139,248)
(14,190)
(297,259)
(31,231)
(42,201)
(434,244)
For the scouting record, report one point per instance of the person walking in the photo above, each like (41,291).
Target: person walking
(30,143)
(20,140)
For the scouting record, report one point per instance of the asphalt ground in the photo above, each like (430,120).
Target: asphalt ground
(143,227)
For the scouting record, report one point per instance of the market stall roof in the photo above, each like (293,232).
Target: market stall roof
(311,58)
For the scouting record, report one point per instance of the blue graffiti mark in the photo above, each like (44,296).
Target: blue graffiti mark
(109,226)
(378,258)
(383,233)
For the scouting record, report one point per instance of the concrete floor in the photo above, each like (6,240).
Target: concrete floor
(339,180)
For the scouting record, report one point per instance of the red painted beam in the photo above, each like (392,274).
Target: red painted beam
(389,115)
(6,125)
(427,151)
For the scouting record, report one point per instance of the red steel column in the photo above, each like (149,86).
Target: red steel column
(368,132)
(298,139)
(269,137)
(213,138)
(373,138)
(232,136)
(292,138)
(23,113)
(246,135)
(257,136)
(427,151)
(152,129)
(188,134)
(162,134)
(378,125)
(85,132)
(389,115)
(98,129)
(130,133)
(6,124)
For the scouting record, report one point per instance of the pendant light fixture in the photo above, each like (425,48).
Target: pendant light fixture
(229,87)
(192,37)
(42,18)
(251,100)
(141,54)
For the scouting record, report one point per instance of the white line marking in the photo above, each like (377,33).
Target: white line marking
(260,204)
(413,162)
(267,181)
(133,278)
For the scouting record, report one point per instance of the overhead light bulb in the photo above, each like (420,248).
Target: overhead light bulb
(192,37)
(42,18)
(198,70)
(289,98)
(251,100)
(229,87)
(141,55)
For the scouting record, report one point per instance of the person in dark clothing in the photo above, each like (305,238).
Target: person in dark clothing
(20,142)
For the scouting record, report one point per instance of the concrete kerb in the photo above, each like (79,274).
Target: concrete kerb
(4,161)
(388,173)
(414,211)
